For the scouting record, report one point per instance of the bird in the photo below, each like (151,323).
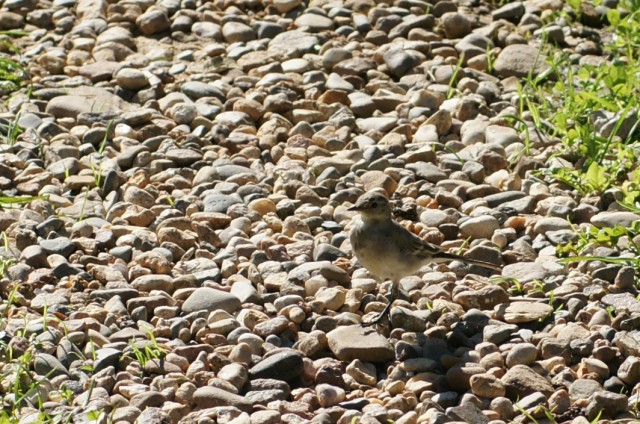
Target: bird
(389,251)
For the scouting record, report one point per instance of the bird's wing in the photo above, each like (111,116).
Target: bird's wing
(411,244)
(414,245)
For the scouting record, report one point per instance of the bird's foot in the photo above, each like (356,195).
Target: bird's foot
(382,316)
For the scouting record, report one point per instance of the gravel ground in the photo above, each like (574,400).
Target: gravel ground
(190,261)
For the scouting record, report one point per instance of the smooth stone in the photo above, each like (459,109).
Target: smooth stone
(212,397)
(48,365)
(208,299)
(85,100)
(286,365)
(525,272)
(293,43)
(621,301)
(479,227)
(522,312)
(355,342)
(518,60)
(58,246)
(521,381)
(611,219)
(314,22)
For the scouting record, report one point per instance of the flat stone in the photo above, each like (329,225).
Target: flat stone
(355,342)
(611,219)
(435,218)
(622,301)
(183,157)
(106,294)
(293,43)
(427,171)
(131,79)
(495,200)
(198,89)
(520,312)
(234,32)
(314,22)
(381,124)
(59,246)
(99,71)
(219,203)
(399,62)
(48,300)
(549,224)
(525,272)
(208,30)
(86,100)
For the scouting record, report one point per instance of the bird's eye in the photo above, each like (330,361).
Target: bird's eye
(374,205)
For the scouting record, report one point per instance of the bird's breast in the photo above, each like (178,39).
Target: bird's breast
(380,253)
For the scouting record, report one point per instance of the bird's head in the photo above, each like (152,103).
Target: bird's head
(373,206)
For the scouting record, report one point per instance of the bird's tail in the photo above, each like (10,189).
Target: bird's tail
(447,257)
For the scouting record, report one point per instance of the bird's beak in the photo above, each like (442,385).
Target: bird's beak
(355,208)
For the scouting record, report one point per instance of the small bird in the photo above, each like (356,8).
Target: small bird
(388,250)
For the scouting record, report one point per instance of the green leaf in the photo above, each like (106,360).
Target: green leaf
(606,259)
(5,200)
(575,4)
(95,415)
(596,177)
(614,17)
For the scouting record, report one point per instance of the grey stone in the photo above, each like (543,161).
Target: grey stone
(355,342)
(286,365)
(216,202)
(293,43)
(211,397)
(621,301)
(399,62)
(584,388)
(521,381)
(521,312)
(48,365)
(510,11)
(611,219)
(518,60)
(525,271)
(206,298)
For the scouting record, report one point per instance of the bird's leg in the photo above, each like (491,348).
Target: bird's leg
(385,314)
